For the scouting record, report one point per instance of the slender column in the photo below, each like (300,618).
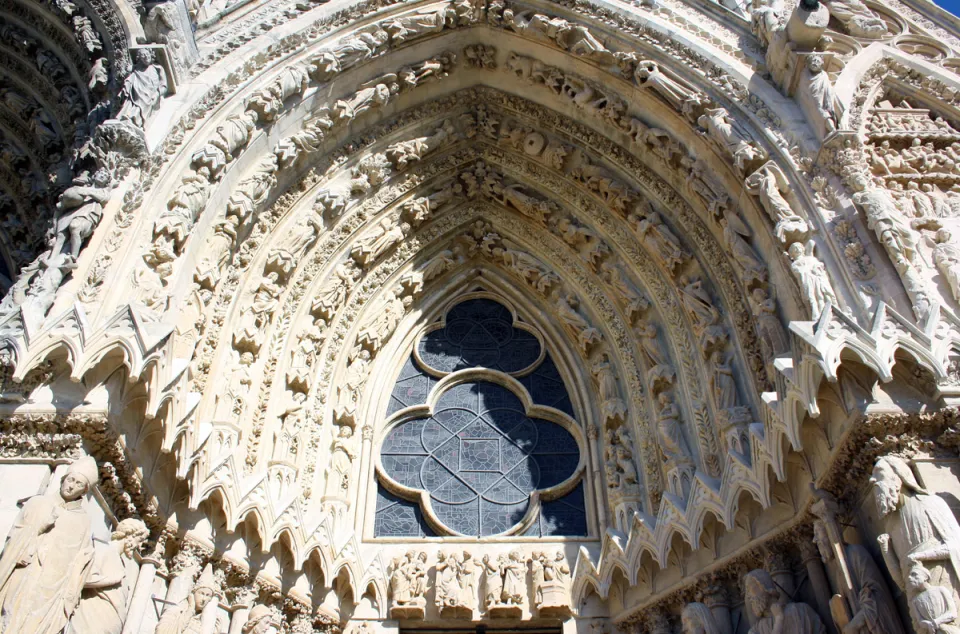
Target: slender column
(239,617)
(208,620)
(366,432)
(779,567)
(593,455)
(818,581)
(141,598)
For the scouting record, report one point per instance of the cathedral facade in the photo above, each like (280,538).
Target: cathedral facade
(558,317)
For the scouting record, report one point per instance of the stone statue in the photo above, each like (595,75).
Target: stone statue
(672,442)
(81,206)
(47,556)
(722,382)
(697,303)
(492,581)
(773,338)
(230,405)
(822,96)
(649,77)
(261,620)
(408,586)
(186,617)
(946,255)
(378,241)
(920,527)
(353,381)
(449,568)
(265,301)
(735,234)
(762,597)
(612,405)
(769,183)
(551,581)
(812,277)
(143,89)
(586,334)
(875,607)
(716,122)
(514,572)
(342,456)
(697,618)
(109,584)
(897,236)
(857,18)
(933,608)
(658,239)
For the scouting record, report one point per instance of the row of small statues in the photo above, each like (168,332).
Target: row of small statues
(456,584)
(54,579)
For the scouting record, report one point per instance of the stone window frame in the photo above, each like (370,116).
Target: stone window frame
(429,320)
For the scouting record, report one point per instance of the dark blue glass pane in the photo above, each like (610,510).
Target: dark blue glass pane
(411,388)
(479,333)
(480,457)
(546,387)
(566,516)
(396,517)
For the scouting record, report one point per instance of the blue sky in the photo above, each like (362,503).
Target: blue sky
(953,6)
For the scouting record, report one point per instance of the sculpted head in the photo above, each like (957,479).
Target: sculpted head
(696,619)
(815,63)
(261,621)
(890,474)
(761,592)
(204,590)
(822,541)
(144,58)
(132,533)
(81,475)
(917,578)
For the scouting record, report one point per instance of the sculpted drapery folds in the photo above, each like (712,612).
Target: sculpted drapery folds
(48,555)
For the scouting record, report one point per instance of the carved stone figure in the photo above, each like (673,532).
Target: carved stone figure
(378,241)
(109,583)
(649,77)
(697,618)
(186,617)
(612,405)
(303,356)
(857,18)
(81,206)
(550,585)
(378,325)
(143,89)
(722,383)
(257,314)
(762,597)
(875,612)
(371,95)
(716,121)
(408,586)
(933,608)
(672,442)
(769,183)
(698,303)
(355,378)
(946,255)
(47,556)
(514,572)
(342,456)
(812,277)
(735,234)
(821,94)
(898,238)
(230,405)
(350,51)
(492,581)
(659,240)
(920,527)
(773,338)
(585,334)
(261,620)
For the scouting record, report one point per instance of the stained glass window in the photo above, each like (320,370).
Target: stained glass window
(479,456)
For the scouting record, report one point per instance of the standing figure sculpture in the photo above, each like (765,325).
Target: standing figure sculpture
(81,206)
(812,277)
(143,89)
(919,527)
(108,587)
(186,617)
(47,556)
(772,617)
